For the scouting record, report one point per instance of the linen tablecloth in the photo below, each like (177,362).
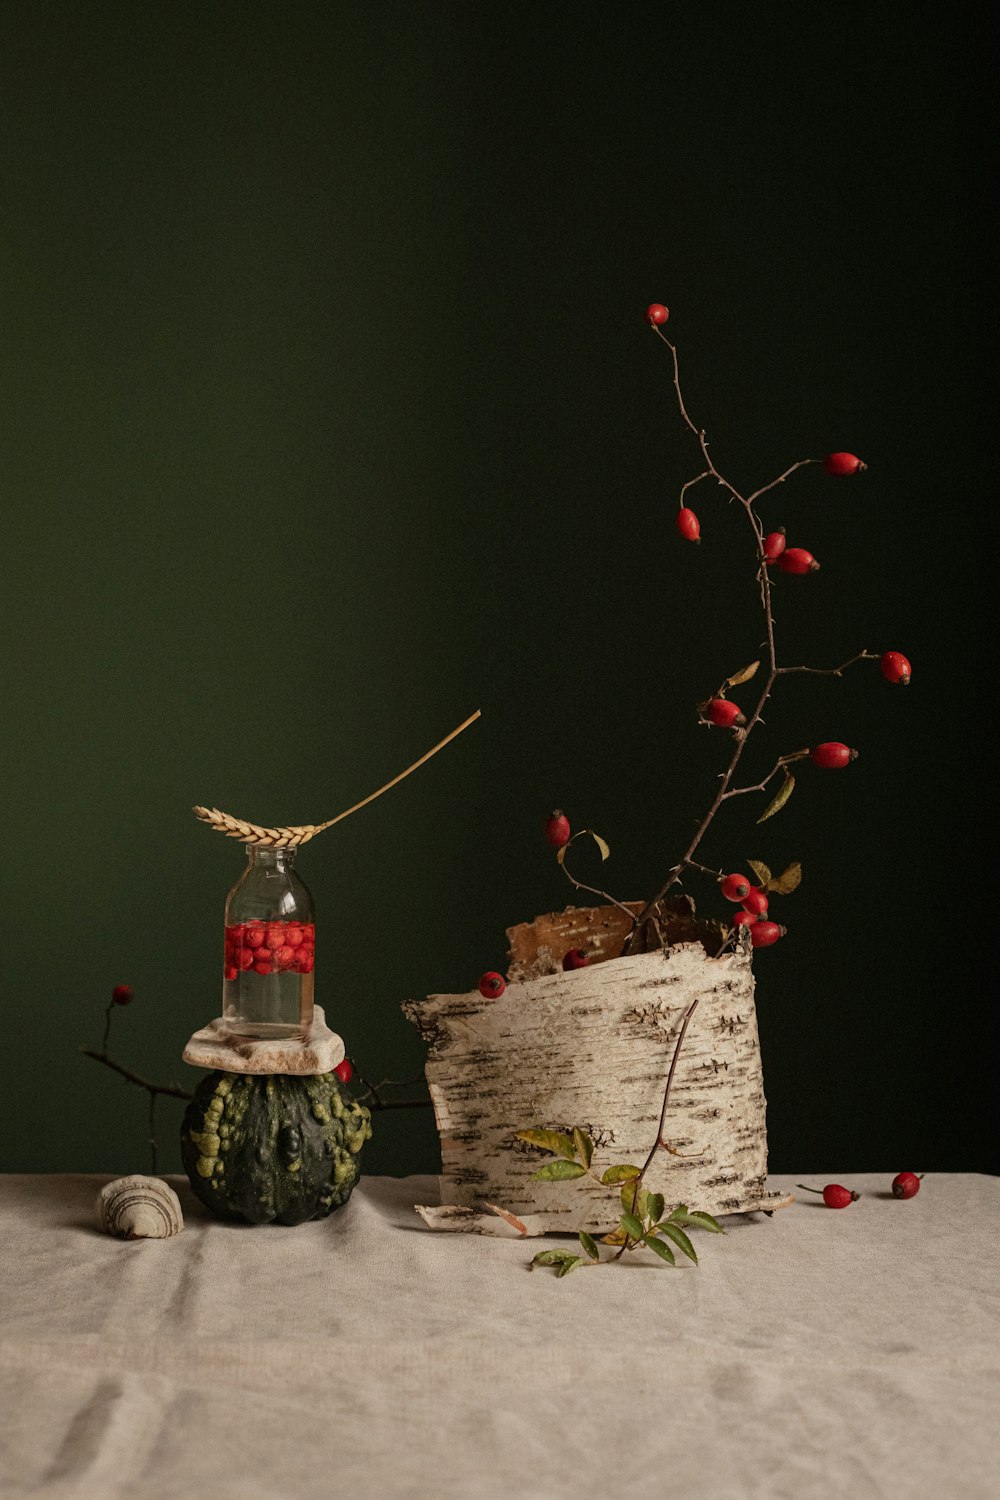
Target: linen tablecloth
(815,1354)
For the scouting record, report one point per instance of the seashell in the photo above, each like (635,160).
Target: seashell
(139,1208)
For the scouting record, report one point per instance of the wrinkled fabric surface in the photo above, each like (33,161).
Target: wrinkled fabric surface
(815,1354)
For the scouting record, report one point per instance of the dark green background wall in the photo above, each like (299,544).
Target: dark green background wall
(330,415)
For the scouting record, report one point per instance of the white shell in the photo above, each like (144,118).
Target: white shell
(139,1208)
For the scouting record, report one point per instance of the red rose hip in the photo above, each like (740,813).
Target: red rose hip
(735,887)
(797,560)
(832,755)
(492,984)
(344,1070)
(765,934)
(576,958)
(724,713)
(656,314)
(774,545)
(756,902)
(688,525)
(896,668)
(557,828)
(743,919)
(905,1185)
(122,994)
(835,1196)
(841,464)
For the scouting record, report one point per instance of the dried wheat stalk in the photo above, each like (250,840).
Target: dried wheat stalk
(291,837)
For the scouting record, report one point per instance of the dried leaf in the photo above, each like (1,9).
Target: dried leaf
(549,1140)
(662,1250)
(675,1232)
(788,880)
(584,1146)
(619,1174)
(761,871)
(632,1226)
(558,1171)
(561,852)
(616,1237)
(779,801)
(552,1257)
(654,1206)
(602,844)
(744,676)
(508,1218)
(569,1265)
(587,1241)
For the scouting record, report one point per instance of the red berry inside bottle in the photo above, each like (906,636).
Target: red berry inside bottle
(735,887)
(576,958)
(688,524)
(774,545)
(557,828)
(492,984)
(656,314)
(896,668)
(841,464)
(724,712)
(831,755)
(756,902)
(797,560)
(765,934)
(905,1185)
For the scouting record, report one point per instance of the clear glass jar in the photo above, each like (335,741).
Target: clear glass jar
(270,948)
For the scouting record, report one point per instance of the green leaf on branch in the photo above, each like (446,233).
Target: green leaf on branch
(619,1174)
(584,1146)
(632,1226)
(588,1243)
(654,1206)
(680,1212)
(698,1219)
(789,880)
(778,802)
(761,871)
(675,1232)
(559,1171)
(549,1140)
(634,1201)
(569,1265)
(662,1250)
(743,676)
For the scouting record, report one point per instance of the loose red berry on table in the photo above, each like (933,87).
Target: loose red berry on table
(344,1070)
(774,545)
(836,1196)
(724,712)
(557,828)
(576,958)
(765,934)
(492,984)
(832,755)
(756,902)
(744,919)
(797,560)
(905,1185)
(688,524)
(735,887)
(840,464)
(896,668)
(122,994)
(656,314)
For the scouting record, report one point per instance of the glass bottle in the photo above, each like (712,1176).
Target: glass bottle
(270,948)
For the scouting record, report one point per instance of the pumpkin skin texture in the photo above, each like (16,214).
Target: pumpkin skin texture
(273,1148)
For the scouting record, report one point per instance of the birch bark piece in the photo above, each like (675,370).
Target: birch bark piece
(592,1048)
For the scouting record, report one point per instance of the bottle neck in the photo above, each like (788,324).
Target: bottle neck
(263,857)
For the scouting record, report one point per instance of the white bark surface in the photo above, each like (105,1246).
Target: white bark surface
(592,1048)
